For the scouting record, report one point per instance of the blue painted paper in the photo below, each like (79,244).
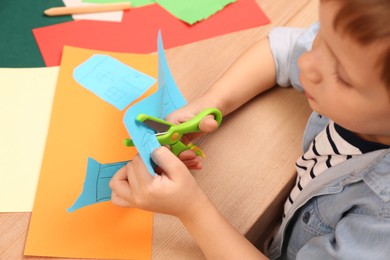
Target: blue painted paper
(112,80)
(164,101)
(96,185)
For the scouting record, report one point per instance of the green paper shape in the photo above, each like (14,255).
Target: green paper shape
(192,11)
(134,3)
(18,48)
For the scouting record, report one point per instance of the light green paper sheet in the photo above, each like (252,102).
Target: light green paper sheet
(192,11)
(134,3)
(25,106)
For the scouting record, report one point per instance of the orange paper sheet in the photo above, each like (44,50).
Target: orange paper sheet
(83,125)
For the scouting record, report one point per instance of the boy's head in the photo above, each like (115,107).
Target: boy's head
(346,74)
(367,22)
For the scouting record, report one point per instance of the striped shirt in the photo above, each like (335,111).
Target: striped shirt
(332,146)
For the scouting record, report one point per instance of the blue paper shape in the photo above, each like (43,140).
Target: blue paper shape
(164,101)
(96,185)
(112,80)
(161,103)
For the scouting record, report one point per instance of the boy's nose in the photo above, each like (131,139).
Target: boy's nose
(309,67)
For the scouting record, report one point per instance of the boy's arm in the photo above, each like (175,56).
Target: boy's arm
(271,61)
(251,74)
(175,192)
(216,237)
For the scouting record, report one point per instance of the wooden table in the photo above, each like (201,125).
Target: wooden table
(250,160)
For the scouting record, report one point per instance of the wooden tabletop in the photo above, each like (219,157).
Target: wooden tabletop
(249,167)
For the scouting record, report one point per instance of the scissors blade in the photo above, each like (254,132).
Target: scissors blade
(158,127)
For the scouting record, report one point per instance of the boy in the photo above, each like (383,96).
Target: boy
(340,205)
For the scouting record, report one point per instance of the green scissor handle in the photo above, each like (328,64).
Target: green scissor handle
(175,132)
(192,125)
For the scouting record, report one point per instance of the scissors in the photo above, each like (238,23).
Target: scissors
(171,134)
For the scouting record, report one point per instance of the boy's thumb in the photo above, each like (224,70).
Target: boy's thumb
(167,161)
(208,124)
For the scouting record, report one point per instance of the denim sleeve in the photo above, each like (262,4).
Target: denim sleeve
(287,45)
(356,237)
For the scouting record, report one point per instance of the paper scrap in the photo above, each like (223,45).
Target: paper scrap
(160,104)
(96,186)
(25,105)
(114,16)
(112,81)
(192,11)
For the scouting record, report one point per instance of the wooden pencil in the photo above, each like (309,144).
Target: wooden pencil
(57,11)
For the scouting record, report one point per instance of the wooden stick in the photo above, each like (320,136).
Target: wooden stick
(56,11)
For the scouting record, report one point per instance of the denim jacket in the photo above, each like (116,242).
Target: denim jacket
(344,213)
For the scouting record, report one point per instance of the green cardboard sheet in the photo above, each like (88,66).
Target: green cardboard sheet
(18,48)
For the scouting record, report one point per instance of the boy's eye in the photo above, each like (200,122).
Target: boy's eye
(340,79)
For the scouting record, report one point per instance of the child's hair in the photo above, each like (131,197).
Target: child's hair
(367,22)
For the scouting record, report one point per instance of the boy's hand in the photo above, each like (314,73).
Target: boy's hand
(207,125)
(174,191)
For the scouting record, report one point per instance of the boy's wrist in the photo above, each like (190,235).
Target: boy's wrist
(210,101)
(194,210)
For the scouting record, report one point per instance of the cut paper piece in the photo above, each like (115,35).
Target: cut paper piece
(192,11)
(83,126)
(112,81)
(134,3)
(96,186)
(139,27)
(18,48)
(165,100)
(25,106)
(114,16)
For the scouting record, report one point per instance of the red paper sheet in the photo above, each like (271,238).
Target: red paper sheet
(138,30)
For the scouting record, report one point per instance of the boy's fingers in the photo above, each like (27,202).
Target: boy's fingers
(119,176)
(119,184)
(191,160)
(167,161)
(187,155)
(208,124)
(119,201)
(137,172)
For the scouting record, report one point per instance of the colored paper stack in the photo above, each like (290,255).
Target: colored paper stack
(79,125)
